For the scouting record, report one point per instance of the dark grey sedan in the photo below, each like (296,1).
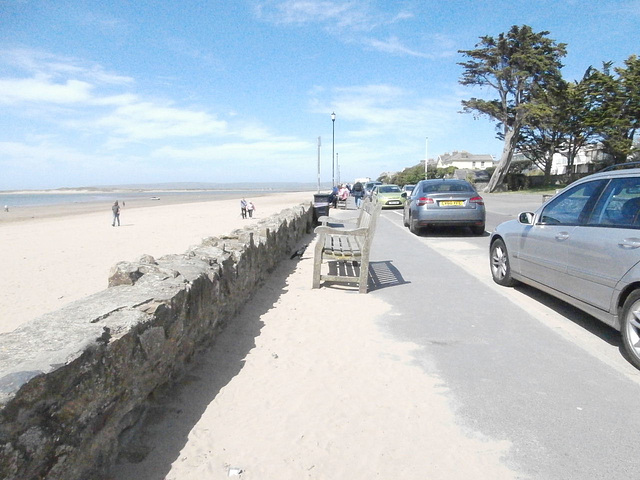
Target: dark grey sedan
(444,202)
(582,246)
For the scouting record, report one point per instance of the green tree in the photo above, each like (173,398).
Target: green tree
(615,94)
(542,135)
(408,176)
(577,120)
(516,65)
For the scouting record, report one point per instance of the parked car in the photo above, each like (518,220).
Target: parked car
(368,188)
(408,189)
(582,246)
(389,195)
(444,202)
(481,176)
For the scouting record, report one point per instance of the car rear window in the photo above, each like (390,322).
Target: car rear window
(446,187)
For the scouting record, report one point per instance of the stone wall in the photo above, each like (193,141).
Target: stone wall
(75,382)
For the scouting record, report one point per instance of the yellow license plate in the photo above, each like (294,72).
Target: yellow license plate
(452,203)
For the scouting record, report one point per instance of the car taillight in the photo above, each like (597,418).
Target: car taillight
(424,201)
(477,200)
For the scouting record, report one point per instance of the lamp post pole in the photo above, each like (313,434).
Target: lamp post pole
(319,143)
(333,149)
(426,157)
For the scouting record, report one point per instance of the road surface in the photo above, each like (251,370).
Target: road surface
(519,365)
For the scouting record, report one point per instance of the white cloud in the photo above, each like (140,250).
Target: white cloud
(146,120)
(394,46)
(42,154)
(17,90)
(48,65)
(355,15)
(278,149)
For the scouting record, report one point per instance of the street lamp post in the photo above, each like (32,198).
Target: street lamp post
(333,149)
(319,144)
(426,157)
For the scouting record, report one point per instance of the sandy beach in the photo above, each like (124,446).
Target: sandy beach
(53,255)
(304,384)
(289,390)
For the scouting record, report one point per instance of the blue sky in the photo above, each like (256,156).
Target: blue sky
(117,92)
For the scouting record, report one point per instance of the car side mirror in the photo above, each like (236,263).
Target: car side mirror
(403,194)
(526,218)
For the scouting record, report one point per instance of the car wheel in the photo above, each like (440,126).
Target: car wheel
(630,327)
(500,268)
(413,226)
(478,230)
(404,221)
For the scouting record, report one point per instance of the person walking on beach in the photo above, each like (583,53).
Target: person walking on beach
(116,214)
(250,208)
(243,208)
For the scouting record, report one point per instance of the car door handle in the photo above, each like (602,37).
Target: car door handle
(562,236)
(630,243)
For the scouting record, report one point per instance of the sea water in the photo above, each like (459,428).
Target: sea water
(26,199)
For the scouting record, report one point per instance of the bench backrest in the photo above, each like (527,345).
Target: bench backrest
(369,216)
(366,209)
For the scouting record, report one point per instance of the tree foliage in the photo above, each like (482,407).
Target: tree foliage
(408,176)
(615,94)
(516,65)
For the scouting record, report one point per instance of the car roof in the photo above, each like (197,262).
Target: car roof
(623,172)
(443,180)
(628,172)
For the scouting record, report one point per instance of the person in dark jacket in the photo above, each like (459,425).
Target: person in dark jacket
(333,198)
(116,214)
(358,192)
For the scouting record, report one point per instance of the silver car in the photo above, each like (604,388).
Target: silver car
(444,202)
(582,246)
(408,189)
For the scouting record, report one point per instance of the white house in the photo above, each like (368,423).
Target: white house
(586,156)
(466,160)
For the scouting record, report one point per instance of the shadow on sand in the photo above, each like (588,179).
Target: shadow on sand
(174,412)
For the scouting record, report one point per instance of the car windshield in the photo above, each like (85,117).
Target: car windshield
(443,187)
(388,189)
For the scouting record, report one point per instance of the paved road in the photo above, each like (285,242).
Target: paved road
(518,364)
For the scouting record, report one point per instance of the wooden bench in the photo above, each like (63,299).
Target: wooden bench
(325,220)
(348,245)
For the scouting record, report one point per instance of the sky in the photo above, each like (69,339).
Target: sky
(116,92)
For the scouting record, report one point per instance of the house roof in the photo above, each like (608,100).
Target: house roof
(463,157)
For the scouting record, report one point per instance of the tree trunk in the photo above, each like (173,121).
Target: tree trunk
(510,140)
(547,170)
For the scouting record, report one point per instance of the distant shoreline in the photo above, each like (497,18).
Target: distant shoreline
(179,187)
(19,213)
(67,191)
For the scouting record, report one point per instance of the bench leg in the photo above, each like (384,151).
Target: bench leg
(364,276)
(317,266)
